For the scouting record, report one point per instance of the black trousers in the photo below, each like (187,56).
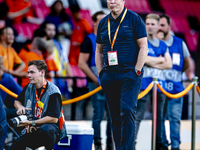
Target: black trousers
(47,135)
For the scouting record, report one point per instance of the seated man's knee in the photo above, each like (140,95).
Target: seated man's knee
(48,130)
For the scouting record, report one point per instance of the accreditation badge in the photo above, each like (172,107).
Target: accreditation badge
(40,107)
(176,59)
(112,58)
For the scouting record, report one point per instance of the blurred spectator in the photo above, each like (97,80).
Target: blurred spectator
(3,127)
(63,23)
(4,20)
(8,81)
(21,9)
(181,61)
(60,59)
(87,65)
(12,62)
(81,29)
(52,68)
(32,52)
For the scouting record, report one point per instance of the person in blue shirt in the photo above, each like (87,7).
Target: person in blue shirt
(7,80)
(87,65)
(158,59)
(3,127)
(121,51)
(181,61)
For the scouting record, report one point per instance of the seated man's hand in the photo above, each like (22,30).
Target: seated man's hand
(24,123)
(21,110)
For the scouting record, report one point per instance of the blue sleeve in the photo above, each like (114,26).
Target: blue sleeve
(15,87)
(139,27)
(98,39)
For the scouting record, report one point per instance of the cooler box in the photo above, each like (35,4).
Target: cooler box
(79,137)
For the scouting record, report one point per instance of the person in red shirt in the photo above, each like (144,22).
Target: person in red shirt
(19,9)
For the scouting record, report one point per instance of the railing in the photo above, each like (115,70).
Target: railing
(153,84)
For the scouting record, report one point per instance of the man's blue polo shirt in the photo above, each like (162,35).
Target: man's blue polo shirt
(131,29)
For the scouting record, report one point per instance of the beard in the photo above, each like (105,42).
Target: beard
(49,37)
(164,33)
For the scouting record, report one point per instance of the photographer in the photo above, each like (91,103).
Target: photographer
(41,99)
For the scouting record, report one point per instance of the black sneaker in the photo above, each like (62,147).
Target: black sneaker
(97,144)
(98,147)
(109,146)
(160,146)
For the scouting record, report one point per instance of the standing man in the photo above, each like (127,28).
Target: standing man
(87,65)
(120,55)
(43,100)
(180,60)
(158,59)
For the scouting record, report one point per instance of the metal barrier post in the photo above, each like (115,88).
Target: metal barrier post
(194,99)
(154,121)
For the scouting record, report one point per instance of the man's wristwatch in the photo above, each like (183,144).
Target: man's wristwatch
(138,72)
(33,123)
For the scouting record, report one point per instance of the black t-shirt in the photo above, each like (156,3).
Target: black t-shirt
(54,104)
(86,47)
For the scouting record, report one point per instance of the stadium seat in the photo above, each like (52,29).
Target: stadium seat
(191,38)
(138,6)
(41,12)
(38,3)
(26,29)
(179,24)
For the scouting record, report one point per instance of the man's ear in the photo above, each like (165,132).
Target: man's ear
(42,72)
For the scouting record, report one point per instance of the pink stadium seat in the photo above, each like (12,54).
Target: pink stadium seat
(38,3)
(192,40)
(26,29)
(179,24)
(138,6)
(86,15)
(41,12)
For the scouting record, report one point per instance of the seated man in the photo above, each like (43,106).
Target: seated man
(43,100)
(12,62)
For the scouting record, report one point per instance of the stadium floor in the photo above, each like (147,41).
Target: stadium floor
(144,137)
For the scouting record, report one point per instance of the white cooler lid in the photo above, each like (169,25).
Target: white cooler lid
(79,129)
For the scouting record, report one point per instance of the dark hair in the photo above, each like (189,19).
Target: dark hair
(2,30)
(44,24)
(166,17)
(63,15)
(94,17)
(4,10)
(40,32)
(74,8)
(40,64)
